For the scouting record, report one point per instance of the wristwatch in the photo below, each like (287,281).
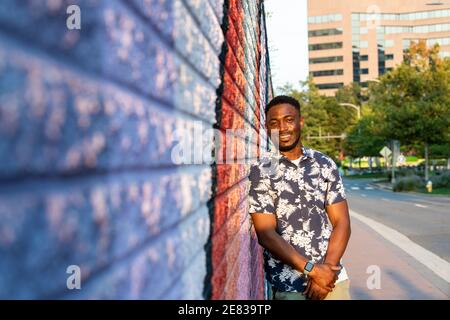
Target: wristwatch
(308,267)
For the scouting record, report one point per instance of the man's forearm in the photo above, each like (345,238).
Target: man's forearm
(337,243)
(283,251)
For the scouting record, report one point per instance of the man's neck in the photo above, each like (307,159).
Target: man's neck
(294,153)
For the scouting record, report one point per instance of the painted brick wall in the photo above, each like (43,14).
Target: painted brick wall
(88,123)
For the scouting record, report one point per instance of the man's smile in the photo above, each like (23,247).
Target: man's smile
(285,136)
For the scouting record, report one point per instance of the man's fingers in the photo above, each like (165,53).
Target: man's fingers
(336,268)
(314,295)
(309,295)
(308,287)
(316,292)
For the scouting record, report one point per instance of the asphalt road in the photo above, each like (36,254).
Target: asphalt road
(423,219)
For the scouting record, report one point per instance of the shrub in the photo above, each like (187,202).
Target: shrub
(442,180)
(409,183)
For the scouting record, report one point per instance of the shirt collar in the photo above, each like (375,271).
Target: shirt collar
(307,153)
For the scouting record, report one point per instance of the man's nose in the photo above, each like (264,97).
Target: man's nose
(283,126)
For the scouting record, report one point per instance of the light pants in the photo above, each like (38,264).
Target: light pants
(341,291)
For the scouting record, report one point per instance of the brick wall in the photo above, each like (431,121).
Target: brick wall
(88,123)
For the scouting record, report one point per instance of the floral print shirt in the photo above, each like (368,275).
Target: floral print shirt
(297,195)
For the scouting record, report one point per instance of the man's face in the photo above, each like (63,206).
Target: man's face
(286,119)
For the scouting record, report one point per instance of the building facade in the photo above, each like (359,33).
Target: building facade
(357,41)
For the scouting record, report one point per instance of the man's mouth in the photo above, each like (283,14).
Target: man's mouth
(285,137)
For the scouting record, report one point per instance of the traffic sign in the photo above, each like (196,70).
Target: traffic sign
(385,152)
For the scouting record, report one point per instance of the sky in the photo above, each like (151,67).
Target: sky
(287,31)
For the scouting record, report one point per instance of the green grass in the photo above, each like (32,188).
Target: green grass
(440,191)
(410,161)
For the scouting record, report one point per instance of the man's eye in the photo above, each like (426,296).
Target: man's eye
(290,120)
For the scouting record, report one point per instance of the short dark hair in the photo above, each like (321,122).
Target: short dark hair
(281,100)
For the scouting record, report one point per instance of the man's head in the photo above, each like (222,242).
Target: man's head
(283,114)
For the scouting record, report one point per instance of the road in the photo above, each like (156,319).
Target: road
(423,220)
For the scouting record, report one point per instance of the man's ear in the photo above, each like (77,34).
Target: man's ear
(302,122)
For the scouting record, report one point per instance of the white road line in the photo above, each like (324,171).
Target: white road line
(368,188)
(435,263)
(420,205)
(355,188)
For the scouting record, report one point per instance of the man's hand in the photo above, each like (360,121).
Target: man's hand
(325,275)
(314,291)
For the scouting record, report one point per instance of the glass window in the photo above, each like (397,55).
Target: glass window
(389,57)
(325,86)
(363,31)
(364,57)
(325,32)
(326,59)
(363,44)
(326,73)
(365,71)
(325,19)
(389,43)
(325,46)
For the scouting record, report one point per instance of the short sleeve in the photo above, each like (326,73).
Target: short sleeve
(261,195)
(335,186)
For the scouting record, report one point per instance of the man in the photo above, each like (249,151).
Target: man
(299,211)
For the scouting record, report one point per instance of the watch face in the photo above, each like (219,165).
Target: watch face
(309,266)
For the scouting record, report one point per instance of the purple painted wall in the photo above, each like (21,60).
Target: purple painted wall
(88,122)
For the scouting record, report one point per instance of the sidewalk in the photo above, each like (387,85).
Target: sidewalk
(402,277)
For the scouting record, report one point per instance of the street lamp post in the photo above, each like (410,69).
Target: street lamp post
(358,108)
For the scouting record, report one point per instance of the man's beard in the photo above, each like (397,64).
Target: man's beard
(290,147)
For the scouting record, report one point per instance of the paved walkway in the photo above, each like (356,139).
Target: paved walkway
(402,277)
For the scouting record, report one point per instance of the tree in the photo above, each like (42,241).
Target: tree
(365,138)
(413,100)
(323,116)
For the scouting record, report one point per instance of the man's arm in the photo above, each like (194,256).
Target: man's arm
(340,219)
(265,226)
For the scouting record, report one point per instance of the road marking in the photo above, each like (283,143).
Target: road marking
(420,205)
(355,188)
(384,199)
(368,188)
(363,195)
(432,261)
